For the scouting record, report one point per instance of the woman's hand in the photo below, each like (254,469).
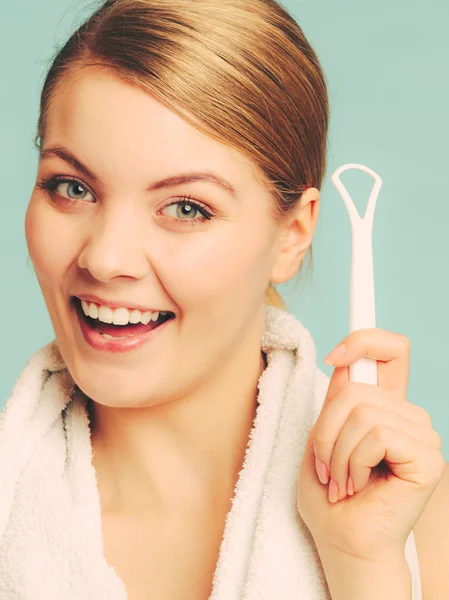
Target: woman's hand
(375,436)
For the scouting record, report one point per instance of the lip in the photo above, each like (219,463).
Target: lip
(99,342)
(118,303)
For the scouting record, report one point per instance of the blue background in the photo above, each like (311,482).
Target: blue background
(387,70)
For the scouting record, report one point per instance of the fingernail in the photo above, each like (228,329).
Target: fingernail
(333,491)
(350,486)
(321,470)
(336,354)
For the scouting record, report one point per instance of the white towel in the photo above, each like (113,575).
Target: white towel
(51,545)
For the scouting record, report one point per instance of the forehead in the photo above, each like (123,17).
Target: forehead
(107,119)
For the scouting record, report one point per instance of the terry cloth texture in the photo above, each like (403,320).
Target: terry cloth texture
(51,545)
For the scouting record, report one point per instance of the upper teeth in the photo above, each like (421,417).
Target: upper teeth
(119,316)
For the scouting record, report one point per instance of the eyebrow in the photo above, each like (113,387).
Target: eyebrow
(191,177)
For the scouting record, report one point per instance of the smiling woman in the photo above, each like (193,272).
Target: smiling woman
(182,148)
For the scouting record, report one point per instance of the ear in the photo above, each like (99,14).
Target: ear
(295,237)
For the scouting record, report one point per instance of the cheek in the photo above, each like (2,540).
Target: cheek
(46,240)
(219,262)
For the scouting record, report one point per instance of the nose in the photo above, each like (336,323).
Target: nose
(113,247)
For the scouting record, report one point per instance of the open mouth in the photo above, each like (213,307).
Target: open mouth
(111,331)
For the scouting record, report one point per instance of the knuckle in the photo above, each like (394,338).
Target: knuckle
(405,342)
(423,416)
(437,440)
(441,464)
(380,434)
(362,414)
(438,466)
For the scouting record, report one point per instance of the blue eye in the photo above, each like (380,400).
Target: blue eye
(194,207)
(51,185)
(75,186)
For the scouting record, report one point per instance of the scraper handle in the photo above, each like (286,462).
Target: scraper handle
(362,303)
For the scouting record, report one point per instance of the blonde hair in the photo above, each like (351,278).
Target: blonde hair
(241,71)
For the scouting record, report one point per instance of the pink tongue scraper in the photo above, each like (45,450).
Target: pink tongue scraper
(362,310)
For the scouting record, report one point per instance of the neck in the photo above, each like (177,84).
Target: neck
(181,454)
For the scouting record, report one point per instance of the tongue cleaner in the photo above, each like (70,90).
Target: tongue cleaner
(362,310)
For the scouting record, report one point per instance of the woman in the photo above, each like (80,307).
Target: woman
(182,149)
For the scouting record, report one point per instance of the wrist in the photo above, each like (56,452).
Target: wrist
(351,578)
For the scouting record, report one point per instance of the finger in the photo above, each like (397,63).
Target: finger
(339,378)
(390,350)
(359,423)
(407,458)
(351,395)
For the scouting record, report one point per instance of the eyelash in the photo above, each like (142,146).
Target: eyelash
(50,185)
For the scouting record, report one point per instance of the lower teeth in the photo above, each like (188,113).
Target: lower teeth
(110,337)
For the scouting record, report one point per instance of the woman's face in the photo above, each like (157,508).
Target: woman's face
(110,235)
